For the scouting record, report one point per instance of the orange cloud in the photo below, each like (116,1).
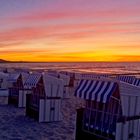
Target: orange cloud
(128,58)
(66,32)
(9,45)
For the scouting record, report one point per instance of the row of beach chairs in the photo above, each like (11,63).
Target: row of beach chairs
(111,110)
(40,93)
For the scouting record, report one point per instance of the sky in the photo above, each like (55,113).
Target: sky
(70,30)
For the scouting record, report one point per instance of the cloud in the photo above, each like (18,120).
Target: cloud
(64,14)
(134,58)
(23,34)
(11,44)
(67,32)
(81,14)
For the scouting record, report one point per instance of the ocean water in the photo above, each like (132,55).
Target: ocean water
(102,67)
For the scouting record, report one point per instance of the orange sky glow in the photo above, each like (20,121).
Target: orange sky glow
(76,30)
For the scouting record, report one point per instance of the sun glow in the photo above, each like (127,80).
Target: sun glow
(52,31)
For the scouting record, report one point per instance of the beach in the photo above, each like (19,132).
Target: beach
(16,126)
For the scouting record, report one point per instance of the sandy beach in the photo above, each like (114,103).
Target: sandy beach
(16,126)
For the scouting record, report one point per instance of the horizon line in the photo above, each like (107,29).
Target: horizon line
(8,61)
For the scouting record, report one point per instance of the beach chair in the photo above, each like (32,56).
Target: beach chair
(111,111)
(15,84)
(44,103)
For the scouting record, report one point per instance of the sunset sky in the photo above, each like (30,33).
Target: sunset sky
(70,30)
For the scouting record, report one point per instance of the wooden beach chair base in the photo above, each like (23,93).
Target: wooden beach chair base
(47,111)
(82,134)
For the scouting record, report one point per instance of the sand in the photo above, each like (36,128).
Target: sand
(14,125)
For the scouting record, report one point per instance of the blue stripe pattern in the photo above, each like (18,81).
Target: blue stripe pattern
(95,90)
(136,82)
(88,75)
(90,84)
(105,90)
(32,81)
(127,79)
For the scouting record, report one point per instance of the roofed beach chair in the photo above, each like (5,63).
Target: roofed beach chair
(15,84)
(44,103)
(111,111)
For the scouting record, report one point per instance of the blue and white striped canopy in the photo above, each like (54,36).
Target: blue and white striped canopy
(32,81)
(127,79)
(93,75)
(136,82)
(96,90)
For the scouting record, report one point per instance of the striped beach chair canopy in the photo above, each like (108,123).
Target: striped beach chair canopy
(97,90)
(91,75)
(125,78)
(32,80)
(136,82)
(13,77)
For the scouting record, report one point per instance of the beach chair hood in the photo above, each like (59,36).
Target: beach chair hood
(53,86)
(13,77)
(96,90)
(130,99)
(32,81)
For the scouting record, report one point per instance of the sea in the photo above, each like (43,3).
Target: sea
(100,67)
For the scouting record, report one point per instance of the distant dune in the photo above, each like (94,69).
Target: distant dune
(4,61)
